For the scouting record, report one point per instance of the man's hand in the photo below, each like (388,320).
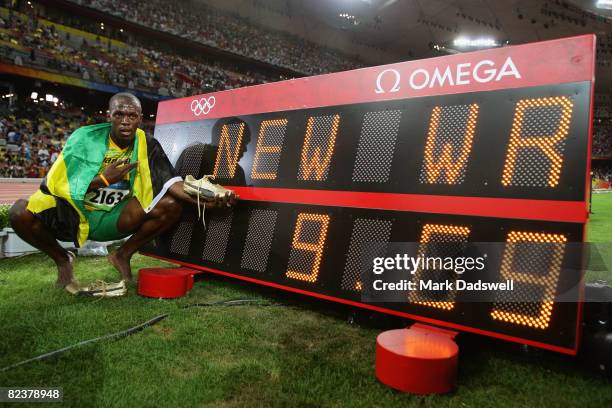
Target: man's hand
(113,173)
(116,171)
(228,200)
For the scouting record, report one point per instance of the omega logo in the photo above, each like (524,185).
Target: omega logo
(451,75)
(394,88)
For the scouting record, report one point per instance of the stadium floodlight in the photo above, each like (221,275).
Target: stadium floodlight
(604,4)
(477,42)
(34,95)
(49,98)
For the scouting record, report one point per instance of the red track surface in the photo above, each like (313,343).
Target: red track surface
(11,192)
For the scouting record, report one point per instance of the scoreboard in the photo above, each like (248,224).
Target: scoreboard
(489,146)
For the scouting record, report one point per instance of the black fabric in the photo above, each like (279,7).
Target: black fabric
(43,186)
(159,165)
(62,220)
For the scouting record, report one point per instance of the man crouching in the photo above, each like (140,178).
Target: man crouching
(109,182)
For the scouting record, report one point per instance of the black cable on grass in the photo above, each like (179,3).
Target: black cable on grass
(117,335)
(232,302)
(135,329)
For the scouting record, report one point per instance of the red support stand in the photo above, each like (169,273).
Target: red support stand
(421,359)
(165,282)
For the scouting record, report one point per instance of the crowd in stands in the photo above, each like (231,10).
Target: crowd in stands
(25,41)
(213,27)
(602,131)
(603,171)
(602,138)
(33,134)
(602,175)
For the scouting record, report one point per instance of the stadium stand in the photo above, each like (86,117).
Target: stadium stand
(602,132)
(602,175)
(602,138)
(33,130)
(213,27)
(27,40)
(602,145)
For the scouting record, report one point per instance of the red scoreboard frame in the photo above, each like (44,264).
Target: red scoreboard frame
(488,146)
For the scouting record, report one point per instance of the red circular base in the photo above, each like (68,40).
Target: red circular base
(417,360)
(165,282)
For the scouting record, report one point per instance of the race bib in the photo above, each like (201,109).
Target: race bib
(107,198)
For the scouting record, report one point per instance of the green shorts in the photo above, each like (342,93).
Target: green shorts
(103,224)
(62,220)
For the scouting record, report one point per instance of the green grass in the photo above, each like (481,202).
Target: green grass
(600,224)
(599,232)
(300,352)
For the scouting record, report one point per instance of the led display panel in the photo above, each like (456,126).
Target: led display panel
(490,146)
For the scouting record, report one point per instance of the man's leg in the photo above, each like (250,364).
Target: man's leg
(144,228)
(35,232)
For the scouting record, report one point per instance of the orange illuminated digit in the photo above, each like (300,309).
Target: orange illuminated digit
(437,234)
(547,144)
(452,163)
(231,152)
(517,312)
(307,245)
(267,149)
(314,164)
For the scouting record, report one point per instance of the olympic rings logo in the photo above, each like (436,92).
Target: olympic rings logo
(202,106)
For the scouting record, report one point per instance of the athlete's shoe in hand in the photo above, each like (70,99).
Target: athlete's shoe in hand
(98,288)
(206,189)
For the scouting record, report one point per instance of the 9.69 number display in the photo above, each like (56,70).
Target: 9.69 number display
(479,147)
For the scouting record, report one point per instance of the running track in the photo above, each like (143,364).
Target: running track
(11,191)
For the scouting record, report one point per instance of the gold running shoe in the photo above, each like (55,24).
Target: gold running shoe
(204,188)
(99,288)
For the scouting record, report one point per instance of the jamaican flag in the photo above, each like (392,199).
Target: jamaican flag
(79,162)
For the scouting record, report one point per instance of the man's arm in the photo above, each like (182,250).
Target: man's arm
(96,184)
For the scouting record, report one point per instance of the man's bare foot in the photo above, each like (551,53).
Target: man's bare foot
(121,264)
(64,272)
